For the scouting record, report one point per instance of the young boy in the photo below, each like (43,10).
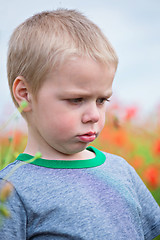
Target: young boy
(63,66)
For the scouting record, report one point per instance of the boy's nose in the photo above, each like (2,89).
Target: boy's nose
(91,115)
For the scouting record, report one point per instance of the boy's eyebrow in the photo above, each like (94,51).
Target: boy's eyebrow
(84,94)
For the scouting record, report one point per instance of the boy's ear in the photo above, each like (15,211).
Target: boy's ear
(21,92)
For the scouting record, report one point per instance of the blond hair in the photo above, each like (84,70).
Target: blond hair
(47,39)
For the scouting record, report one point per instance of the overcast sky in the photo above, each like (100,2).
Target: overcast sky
(133,28)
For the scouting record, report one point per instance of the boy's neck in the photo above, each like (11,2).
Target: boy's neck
(83,155)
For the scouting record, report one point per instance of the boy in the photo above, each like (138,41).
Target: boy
(63,66)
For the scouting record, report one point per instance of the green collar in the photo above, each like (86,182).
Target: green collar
(94,162)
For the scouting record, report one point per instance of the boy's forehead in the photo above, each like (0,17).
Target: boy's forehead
(83,84)
(80,76)
(77,66)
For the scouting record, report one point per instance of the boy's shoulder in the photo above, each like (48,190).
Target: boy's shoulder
(16,172)
(8,169)
(118,165)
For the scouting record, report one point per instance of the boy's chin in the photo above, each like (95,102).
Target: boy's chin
(77,152)
(76,149)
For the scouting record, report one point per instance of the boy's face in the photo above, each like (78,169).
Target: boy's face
(69,111)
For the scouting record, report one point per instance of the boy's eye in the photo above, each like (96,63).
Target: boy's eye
(101,101)
(75,100)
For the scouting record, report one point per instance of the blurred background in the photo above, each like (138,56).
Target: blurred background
(133,117)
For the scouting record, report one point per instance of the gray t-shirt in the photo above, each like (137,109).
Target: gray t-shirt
(102,202)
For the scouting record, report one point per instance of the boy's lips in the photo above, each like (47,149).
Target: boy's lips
(88,137)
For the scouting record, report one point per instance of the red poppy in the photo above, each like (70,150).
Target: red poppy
(156,147)
(130,113)
(151,175)
(137,162)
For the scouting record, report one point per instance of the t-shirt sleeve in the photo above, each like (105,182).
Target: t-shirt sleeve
(13,228)
(149,208)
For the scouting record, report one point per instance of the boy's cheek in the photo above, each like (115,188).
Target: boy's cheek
(66,124)
(102,124)
(102,120)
